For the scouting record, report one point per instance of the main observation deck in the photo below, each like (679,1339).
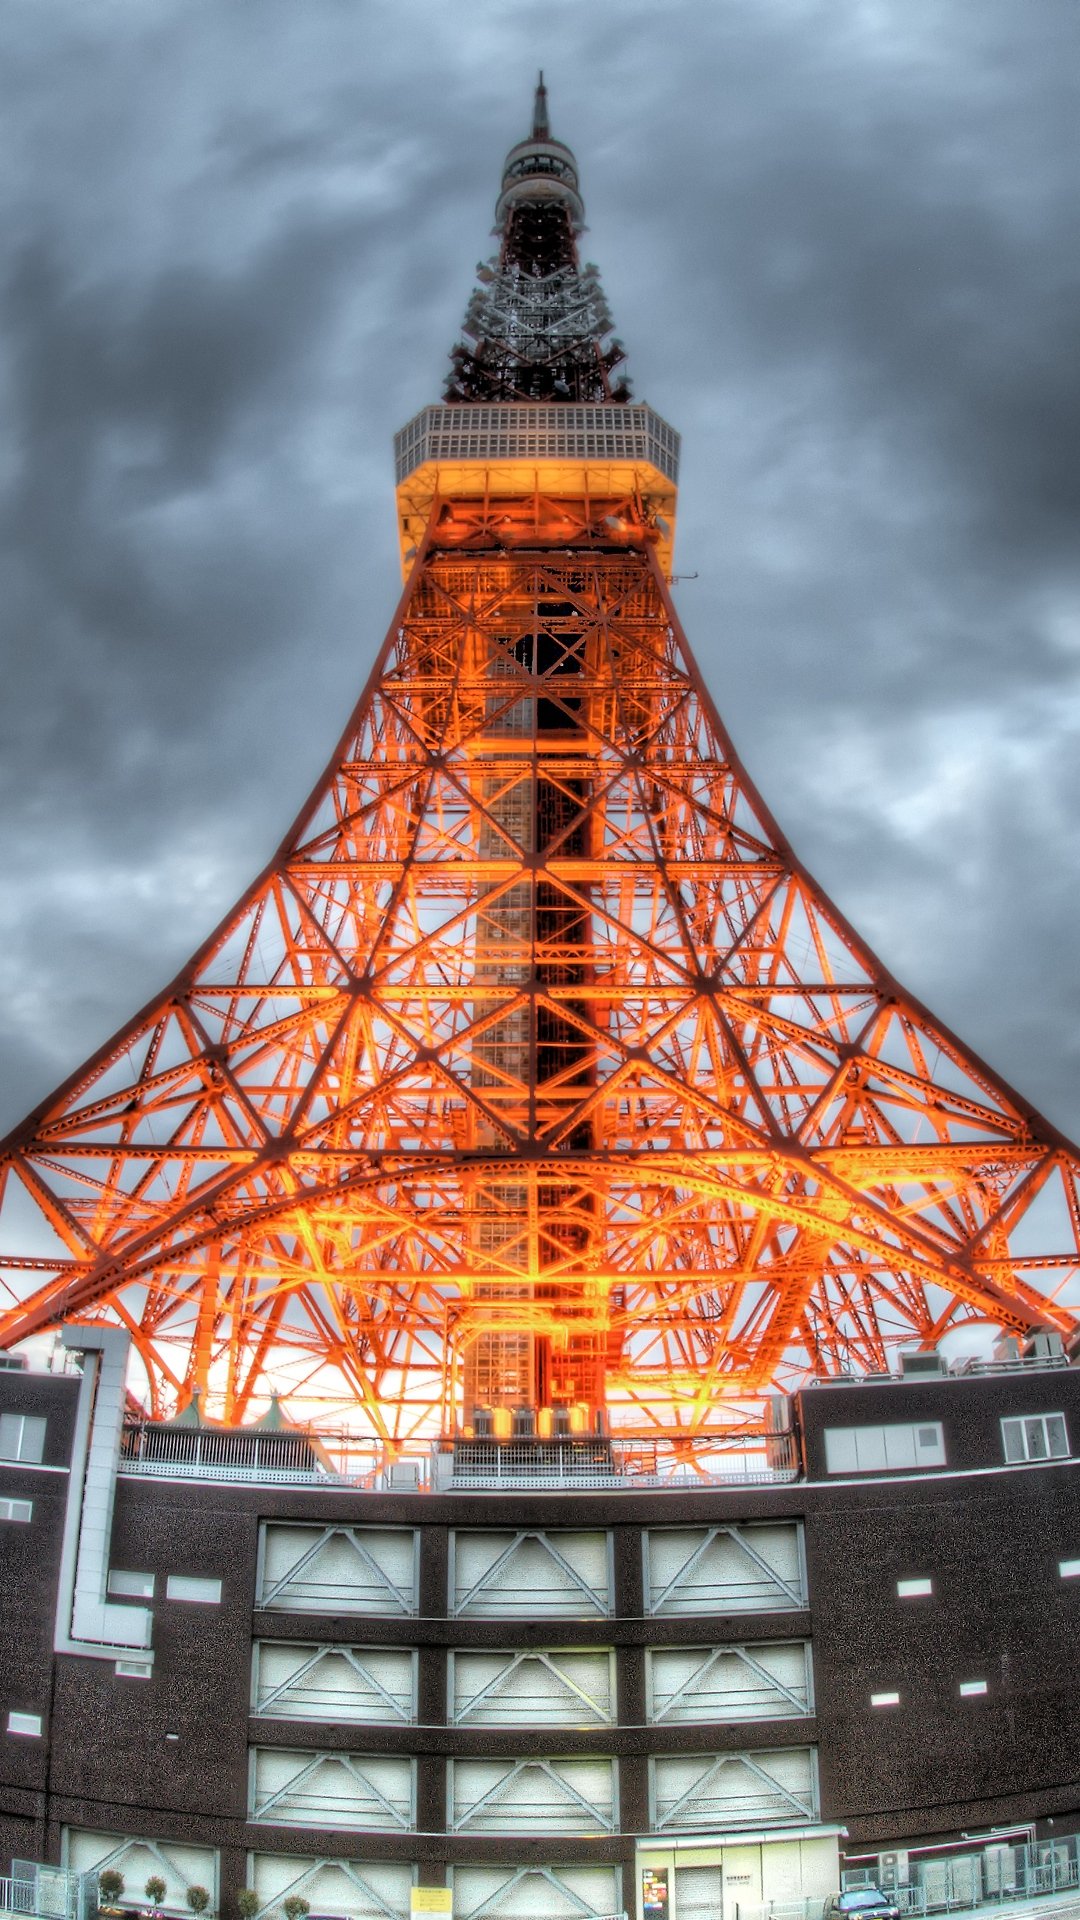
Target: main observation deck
(558,449)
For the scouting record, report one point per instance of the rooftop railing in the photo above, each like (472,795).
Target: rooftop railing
(336,1462)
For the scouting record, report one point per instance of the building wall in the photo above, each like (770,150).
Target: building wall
(169,1757)
(29,1569)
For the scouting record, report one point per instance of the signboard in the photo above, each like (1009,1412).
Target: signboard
(654,1893)
(428,1900)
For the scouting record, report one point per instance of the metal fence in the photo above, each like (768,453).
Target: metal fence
(989,1875)
(48,1893)
(915,1900)
(17,1896)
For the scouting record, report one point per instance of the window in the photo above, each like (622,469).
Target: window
(29,1723)
(1069,1569)
(22,1437)
(185,1586)
(970,1688)
(911,1589)
(884,1699)
(16,1510)
(132,1586)
(884,1449)
(1040,1436)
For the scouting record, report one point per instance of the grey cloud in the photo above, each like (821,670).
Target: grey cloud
(839,241)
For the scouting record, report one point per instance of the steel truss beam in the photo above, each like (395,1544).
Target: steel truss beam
(534,1026)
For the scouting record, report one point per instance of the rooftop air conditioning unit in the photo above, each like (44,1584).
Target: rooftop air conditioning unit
(1044,1346)
(923,1366)
(403,1476)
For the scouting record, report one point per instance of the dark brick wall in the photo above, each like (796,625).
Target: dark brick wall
(29,1573)
(999,1612)
(970,1408)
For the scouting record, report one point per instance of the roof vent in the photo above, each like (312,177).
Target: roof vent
(923,1366)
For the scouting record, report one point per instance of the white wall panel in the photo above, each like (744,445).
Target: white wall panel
(763,1681)
(532,1796)
(179,1866)
(353,1889)
(691,1792)
(364,1791)
(293,1681)
(535,1893)
(562,1688)
(338,1569)
(725,1569)
(531,1574)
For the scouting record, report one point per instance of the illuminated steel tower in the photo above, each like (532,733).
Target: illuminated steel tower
(534,1073)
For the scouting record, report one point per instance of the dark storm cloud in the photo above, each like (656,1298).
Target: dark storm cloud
(839,241)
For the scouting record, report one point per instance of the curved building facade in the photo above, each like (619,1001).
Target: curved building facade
(225,1663)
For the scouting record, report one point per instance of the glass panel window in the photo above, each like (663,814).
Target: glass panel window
(22,1437)
(28,1723)
(894,1448)
(187,1586)
(1040,1436)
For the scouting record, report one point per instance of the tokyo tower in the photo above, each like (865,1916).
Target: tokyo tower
(534,1077)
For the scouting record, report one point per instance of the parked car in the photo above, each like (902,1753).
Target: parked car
(862,1903)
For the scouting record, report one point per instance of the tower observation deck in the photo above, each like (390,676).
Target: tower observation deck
(534,1084)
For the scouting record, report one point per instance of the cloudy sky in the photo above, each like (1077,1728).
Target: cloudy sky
(841,243)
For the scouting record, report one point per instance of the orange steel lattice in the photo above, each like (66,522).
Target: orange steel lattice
(534,1068)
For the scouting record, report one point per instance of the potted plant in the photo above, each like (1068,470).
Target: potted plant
(198,1899)
(296,1907)
(110,1889)
(155,1890)
(247,1903)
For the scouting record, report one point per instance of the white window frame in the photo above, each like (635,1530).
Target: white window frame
(20,1511)
(1020,1430)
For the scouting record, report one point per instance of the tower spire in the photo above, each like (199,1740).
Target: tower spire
(541,127)
(538,326)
